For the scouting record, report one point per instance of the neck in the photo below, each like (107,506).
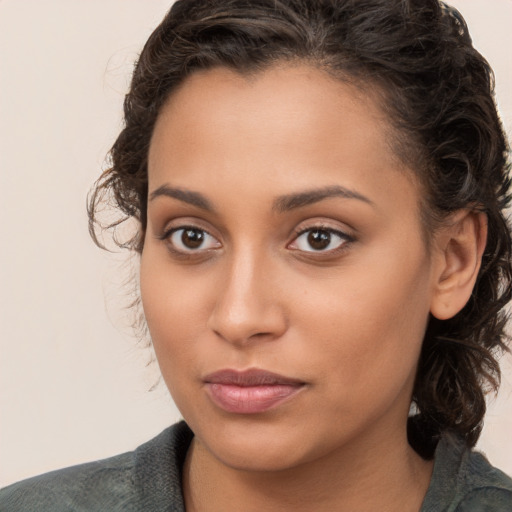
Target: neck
(374,473)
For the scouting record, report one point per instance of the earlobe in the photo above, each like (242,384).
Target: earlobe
(460,246)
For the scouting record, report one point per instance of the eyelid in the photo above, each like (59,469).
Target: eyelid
(171,225)
(304,228)
(169,231)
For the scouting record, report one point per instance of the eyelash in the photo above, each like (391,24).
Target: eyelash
(168,235)
(344,240)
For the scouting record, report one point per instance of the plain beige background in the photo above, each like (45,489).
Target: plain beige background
(73,383)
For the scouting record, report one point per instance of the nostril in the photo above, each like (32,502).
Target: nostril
(244,337)
(252,326)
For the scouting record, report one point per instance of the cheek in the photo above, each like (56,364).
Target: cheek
(173,310)
(366,325)
(172,313)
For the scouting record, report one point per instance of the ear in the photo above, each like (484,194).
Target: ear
(459,246)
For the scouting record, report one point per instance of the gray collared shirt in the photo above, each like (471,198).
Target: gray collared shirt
(149,480)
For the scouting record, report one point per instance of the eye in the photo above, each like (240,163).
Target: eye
(320,240)
(190,239)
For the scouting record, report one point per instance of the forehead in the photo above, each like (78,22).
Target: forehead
(286,105)
(291,126)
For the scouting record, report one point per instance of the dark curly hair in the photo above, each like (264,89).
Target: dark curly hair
(438,93)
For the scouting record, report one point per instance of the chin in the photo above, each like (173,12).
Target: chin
(246,444)
(254,456)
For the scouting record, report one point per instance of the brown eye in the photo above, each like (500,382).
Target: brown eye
(320,240)
(191,239)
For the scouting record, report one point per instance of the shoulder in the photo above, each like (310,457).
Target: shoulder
(486,488)
(464,481)
(83,487)
(486,499)
(138,480)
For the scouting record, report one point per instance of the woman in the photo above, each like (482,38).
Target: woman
(320,189)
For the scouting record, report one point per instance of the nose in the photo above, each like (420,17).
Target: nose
(248,305)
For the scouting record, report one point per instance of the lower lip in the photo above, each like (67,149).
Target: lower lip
(251,399)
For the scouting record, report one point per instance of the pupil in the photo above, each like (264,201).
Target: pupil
(192,238)
(319,239)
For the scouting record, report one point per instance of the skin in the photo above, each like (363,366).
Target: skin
(347,321)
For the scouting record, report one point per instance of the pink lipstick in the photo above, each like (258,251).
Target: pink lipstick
(251,391)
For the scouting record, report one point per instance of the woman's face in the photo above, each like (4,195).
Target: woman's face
(284,276)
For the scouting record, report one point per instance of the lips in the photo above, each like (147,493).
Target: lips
(251,391)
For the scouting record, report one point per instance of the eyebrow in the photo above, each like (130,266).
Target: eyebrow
(298,200)
(187,196)
(281,204)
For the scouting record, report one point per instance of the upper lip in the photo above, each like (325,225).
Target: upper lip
(251,377)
